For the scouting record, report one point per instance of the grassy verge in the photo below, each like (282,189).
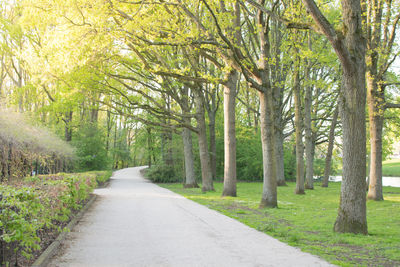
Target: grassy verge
(391,167)
(306,221)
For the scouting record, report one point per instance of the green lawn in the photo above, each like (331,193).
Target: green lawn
(391,167)
(306,221)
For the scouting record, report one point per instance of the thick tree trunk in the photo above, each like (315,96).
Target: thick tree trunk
(376,111)
(230,135)
(206,174)
(190,181)
(352,210)
(331,142)
(351,53)
(269,195)
(299,136)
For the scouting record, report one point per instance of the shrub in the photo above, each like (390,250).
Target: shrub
(22,213)
(40,202)
(162,173)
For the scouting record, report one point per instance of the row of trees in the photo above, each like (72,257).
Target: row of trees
(154,69)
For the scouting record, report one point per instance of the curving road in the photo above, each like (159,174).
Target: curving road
(136,223)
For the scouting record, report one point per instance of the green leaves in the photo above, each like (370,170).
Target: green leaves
(39,203)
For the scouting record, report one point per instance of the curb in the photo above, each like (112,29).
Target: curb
(51,250)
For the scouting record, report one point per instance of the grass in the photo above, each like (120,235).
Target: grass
(391,167)
(306,221)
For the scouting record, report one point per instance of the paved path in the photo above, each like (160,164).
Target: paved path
(137,223)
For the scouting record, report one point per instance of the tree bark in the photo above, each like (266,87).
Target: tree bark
(269,195)
(352,211)
(309,142)
(280,168)
(331,142)
(376,99)
(230,135)
(206,174)
(190,177)
(299,136)
(213,144)
(351,53)
(376,112)
(267,118)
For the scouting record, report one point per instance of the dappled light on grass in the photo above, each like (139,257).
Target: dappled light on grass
(306,221)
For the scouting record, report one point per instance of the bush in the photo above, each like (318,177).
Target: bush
(162,174)
(40,202)
(22,213)
(103,177)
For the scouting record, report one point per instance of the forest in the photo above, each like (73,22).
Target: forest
(204,92)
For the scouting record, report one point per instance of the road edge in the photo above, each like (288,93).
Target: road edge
(50,251)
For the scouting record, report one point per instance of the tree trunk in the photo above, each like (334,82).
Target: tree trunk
(248,110)
(190,181)
(299,136)
(280,168)
(213,145)
(331,142)
(149,146)
(376,112)
(351,53)
(68,128)
(352,210)
(230,135)
(266,96)
(206,174)
(308,137)
(269,195)
(170,152)
(256,118)
(108,131)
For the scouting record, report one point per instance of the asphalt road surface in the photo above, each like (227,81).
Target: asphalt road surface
(136,223)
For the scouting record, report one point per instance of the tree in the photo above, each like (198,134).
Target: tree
(350,47)
(382,22)
(299,129)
